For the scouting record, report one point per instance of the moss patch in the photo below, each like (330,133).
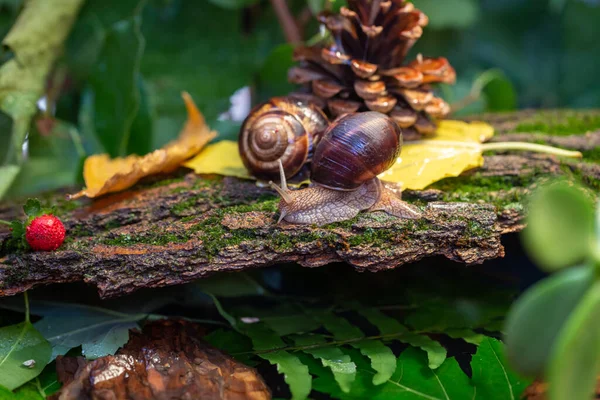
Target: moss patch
(560,122)
(498,190)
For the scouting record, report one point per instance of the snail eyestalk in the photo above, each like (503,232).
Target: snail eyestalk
(282,179)
(283,190)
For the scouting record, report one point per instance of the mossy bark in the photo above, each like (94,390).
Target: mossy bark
(179,228)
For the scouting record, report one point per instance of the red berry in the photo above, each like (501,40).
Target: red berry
(45,233)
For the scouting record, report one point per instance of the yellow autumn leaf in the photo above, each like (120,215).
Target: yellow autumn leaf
(454,148)
(222,158)
(105,175)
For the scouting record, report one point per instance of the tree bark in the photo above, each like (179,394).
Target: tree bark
(171,230)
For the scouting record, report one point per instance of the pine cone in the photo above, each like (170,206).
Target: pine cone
(364,66)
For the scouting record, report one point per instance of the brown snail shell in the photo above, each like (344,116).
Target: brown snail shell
(282,129)
(355,149)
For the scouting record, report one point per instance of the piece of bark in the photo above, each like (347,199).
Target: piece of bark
(173,231)
(167,360)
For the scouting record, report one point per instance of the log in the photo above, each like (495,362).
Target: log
(175,229)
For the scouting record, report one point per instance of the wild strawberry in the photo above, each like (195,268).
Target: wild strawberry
(45,233)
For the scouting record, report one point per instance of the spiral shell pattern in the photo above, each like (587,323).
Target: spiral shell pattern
(282,128)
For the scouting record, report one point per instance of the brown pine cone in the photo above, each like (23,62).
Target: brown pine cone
(363,68)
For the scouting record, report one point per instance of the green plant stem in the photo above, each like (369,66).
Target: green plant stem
(521,146)
(3,222)
(26,297)
(524,146)
(39,388)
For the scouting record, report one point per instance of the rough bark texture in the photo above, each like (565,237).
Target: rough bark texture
(168,360)
(176,229)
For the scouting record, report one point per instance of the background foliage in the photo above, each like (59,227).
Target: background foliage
(116,87)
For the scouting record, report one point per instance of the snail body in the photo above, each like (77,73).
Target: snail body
(283,129)
(354,149)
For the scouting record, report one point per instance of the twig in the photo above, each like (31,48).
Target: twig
(286,20)
(303,19)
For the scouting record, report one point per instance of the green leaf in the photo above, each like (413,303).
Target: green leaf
(36,40)
(412,380)
(294,372)
(212,69)
(500,94)
(71,325)
(44,385)
(18,229)
(491,376)
(559,226)
(342,367)
(382,358)
(574,365)
(141,138)
(107,342)
(28,391)
(8,173)
(233,343)
(114,82)
(456,14)
(20,343)
(466,334)
(537,318)
(389,326)
(32,207)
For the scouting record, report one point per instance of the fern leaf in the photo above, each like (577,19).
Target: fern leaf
(382,358)
(266,342)
(342,367)
(412,380)
(294,372)
(436,353)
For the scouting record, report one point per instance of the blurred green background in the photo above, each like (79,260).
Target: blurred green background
(116,87)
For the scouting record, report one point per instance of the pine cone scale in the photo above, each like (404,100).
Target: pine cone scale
(363,67)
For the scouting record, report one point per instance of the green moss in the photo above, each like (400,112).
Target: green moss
(560,122)
(181,207)
(592,155)
(374,237)
(497,190)
(577,175)
(476,230)
(79,231)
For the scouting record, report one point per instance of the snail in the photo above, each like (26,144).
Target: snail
(353,150)
(282,129)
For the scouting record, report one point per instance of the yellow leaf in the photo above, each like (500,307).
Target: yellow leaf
(103,175)
(221,158)
(454,148)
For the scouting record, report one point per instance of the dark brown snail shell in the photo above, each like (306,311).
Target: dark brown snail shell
(283,128)
(355,149)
